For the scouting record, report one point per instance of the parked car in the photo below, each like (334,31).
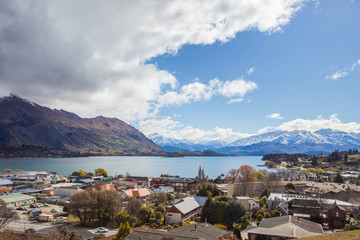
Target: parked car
(21,208)
(54,210)
(26,212)
(45,204)
(102,230)
(33,206)
(61,220)
(63,214)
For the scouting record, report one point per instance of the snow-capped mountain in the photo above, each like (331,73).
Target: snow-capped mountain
(299,141)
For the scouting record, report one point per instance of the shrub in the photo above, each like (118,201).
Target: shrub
(221,226)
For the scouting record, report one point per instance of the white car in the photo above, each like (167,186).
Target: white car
(102,230)
(54,210)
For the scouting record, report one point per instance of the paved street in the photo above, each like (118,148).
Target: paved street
(38,226)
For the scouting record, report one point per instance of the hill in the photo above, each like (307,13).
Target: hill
(348,235)
(26,125)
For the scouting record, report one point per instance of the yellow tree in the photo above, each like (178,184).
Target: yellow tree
(100,172)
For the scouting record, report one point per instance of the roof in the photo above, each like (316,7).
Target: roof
(201,200)
(136,235)
(308,203)
(5,182)
(16,198)
(187,204)
(141,192)
(287,226)
(199,231)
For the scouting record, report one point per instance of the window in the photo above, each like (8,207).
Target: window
(337,213)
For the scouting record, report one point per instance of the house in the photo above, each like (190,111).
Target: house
(131,183)
(6,183)
(141,193)
(4,190)
(187,209)
(223,189)
(164,189)
(182,185)
(247,202)
(285,227)
(281,206)
(305,208)
(66,191)
(48,191)
(199,231)
(17,199)
(336,216)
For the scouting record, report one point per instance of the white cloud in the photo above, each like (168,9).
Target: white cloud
(333,122)
(274,116)
(250,71)
(197,91)
(169,128)
(90,57)
(336,75)
(344,72)
(265,129)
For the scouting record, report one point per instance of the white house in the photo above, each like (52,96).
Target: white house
(187,209)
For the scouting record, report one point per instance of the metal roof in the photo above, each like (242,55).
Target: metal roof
(16,198)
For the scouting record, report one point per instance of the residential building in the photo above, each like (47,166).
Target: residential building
(187,209)
(182,185)
(305,208)
(17,199)
(336,216)
(141,193)
(284,227)
(247,202)
(6,183)
(281,206)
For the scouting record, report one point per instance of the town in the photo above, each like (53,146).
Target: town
(243,204)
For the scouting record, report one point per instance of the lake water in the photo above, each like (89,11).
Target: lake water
(136,165)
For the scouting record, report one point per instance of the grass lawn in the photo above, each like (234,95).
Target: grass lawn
(348,235)
(74,220)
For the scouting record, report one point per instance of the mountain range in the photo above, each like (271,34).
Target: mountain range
(24,123)
(298,141)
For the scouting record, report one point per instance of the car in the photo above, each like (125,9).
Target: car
(102,230)
(33,206)
(26,212)
(21,208)
(54,210)
(39,205)
(45,204)
(63,214)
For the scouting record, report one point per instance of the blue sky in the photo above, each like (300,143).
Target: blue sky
(200,71)
(290,70)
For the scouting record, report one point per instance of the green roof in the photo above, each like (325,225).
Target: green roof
(15,198)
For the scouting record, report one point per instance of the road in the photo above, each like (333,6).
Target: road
(39,227)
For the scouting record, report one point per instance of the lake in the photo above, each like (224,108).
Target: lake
(136,165)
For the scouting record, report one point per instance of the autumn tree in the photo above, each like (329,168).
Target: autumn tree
(82,205)
(8,170)
(19,170)
(246,176)
(134,206)
(123,231)
(101,172)
(233,175)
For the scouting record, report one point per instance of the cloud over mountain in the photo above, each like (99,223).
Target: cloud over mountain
(91,56)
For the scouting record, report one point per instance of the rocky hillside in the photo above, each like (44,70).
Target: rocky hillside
(24,123)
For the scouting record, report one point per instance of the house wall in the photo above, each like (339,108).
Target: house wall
(173,218)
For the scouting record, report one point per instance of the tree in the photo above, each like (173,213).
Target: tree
(121,217)
(100,172)
(276,213)
(264,193)
(134,206)
(19,170)
(246,176)
(338,178)
(8,170)
(208,209)
(81,205)
(82,173)
(145,214)
(159,198)
(233,175)
(7,215)
(314,161)
(234,211)
(106,205)
(123,232)
(204,188)
(263,201)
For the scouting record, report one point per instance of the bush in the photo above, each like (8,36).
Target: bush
(176,226)
(353,225)
(221,226)
(99,236)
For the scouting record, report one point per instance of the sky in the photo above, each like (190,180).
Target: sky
(195,70)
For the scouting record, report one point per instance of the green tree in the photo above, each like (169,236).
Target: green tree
(121,217)
(145,214)
(208,209)
(314,161)
(134,206)
(219,215)
(203,190)
(234,211)
(123,231)
(245,221)
(339,178)
(263,201)
(265,193)
(100,172)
